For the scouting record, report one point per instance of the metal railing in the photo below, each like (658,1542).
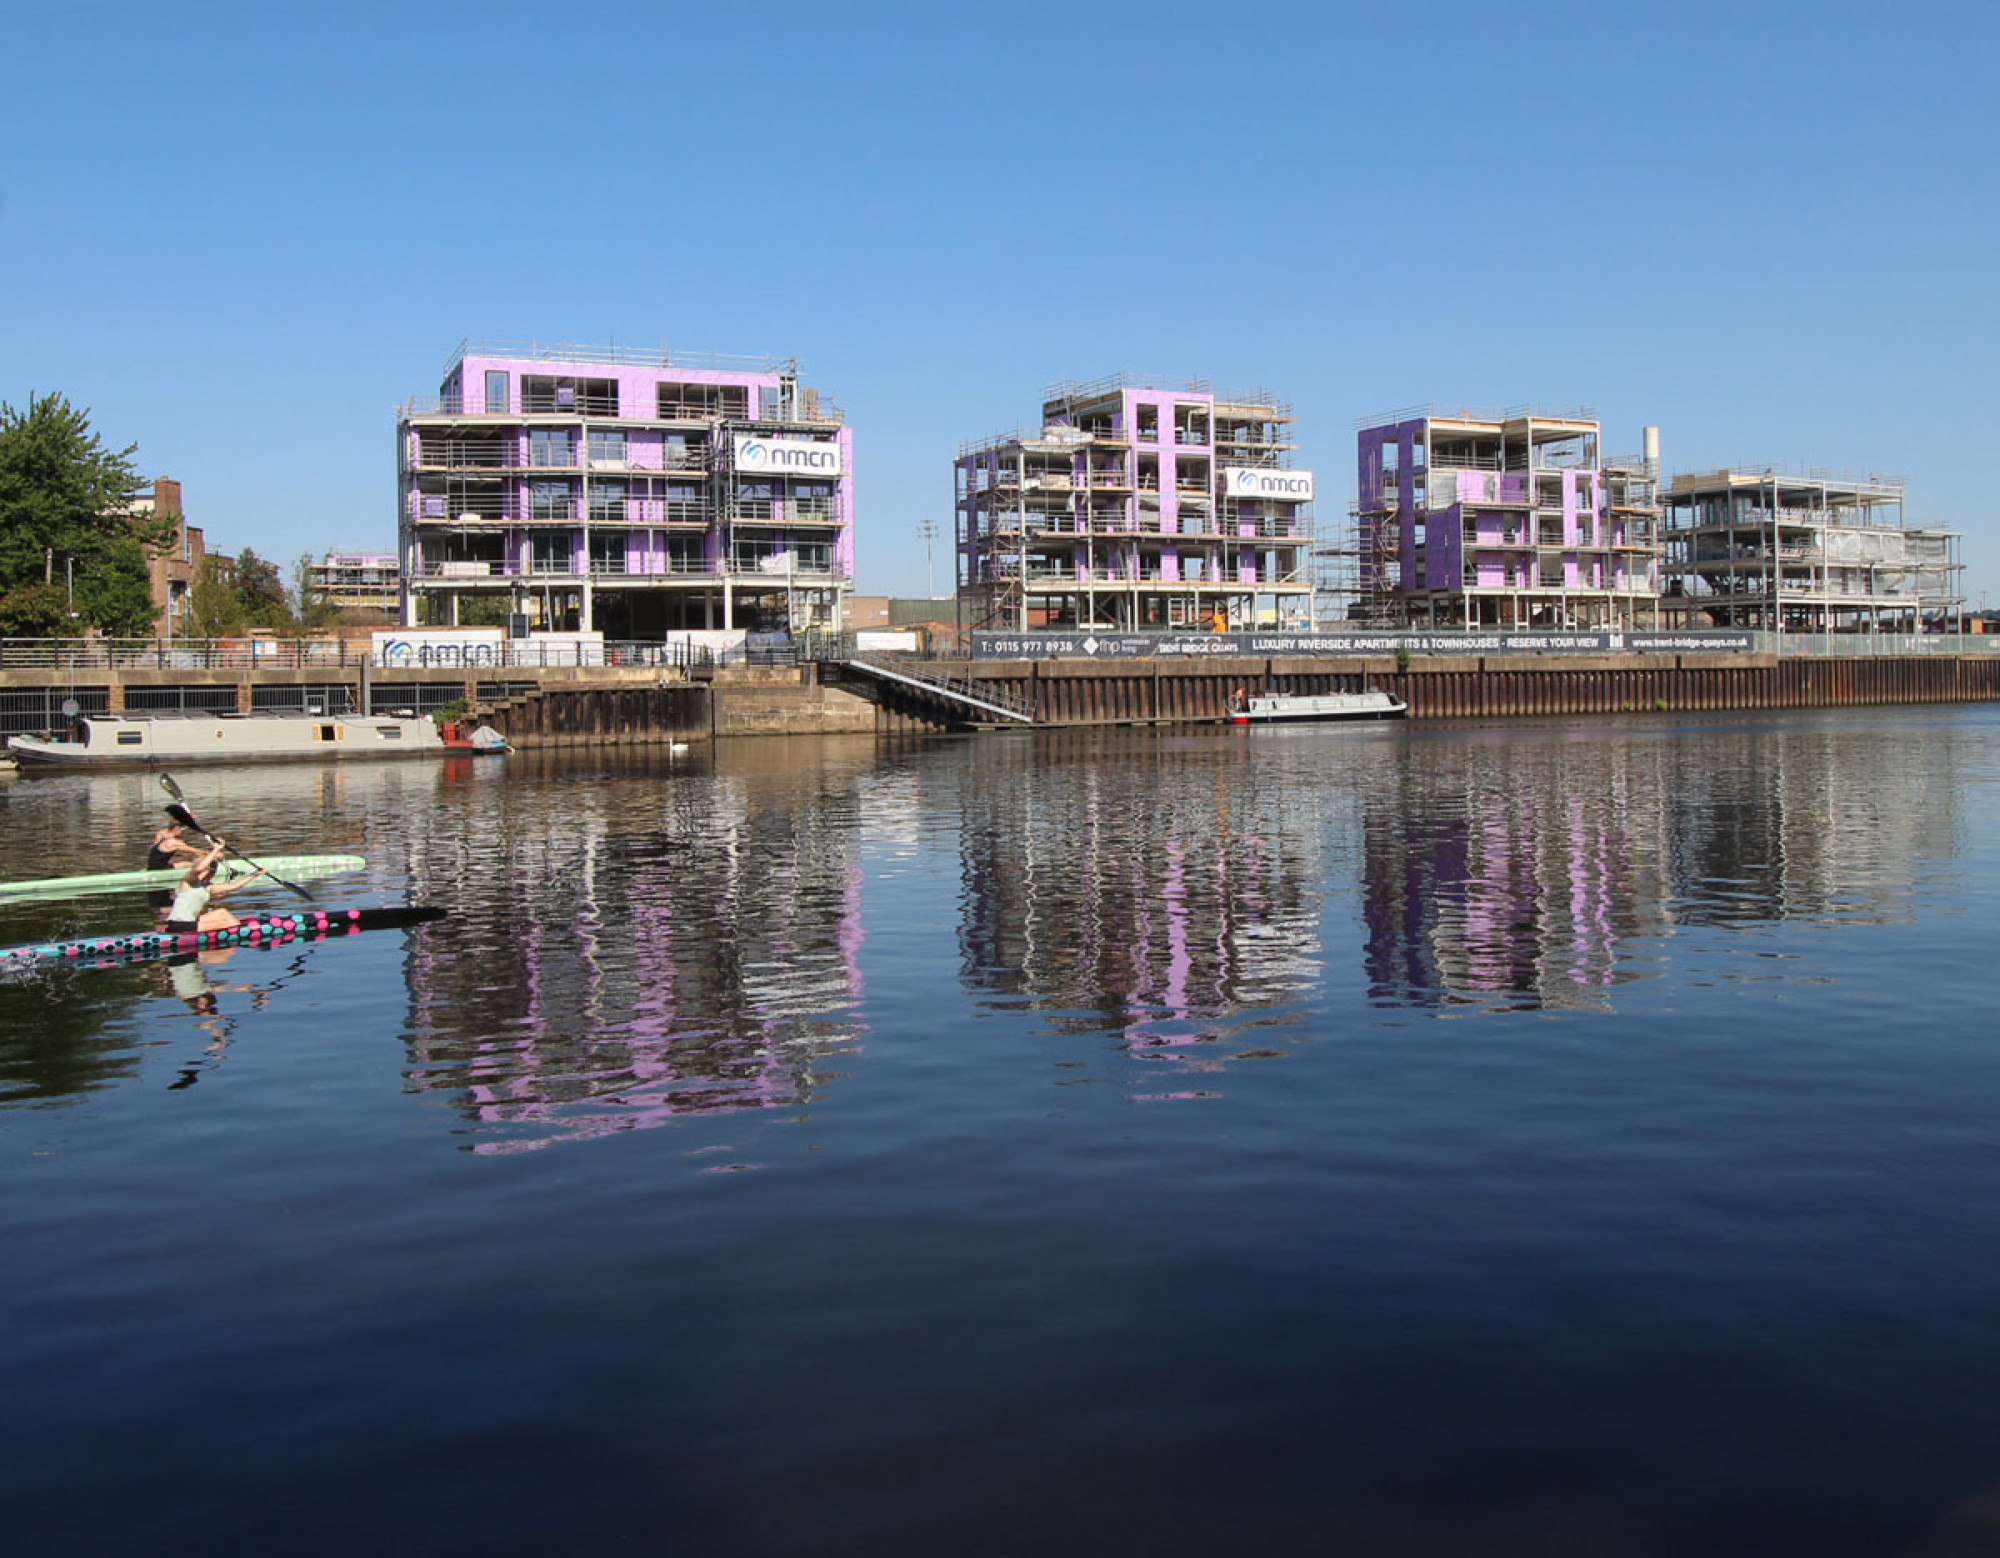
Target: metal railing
(661,356)
(813,408)
(140,654)
(979,698)
(81,655)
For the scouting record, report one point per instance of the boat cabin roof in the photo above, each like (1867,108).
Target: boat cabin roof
(161,716)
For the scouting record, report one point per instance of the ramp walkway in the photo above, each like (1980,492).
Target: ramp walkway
(962,698)
(977,702)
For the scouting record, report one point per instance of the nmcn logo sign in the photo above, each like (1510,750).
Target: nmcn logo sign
(758,455)
(1240,481)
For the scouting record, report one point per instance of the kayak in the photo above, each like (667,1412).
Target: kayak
(267,930)
(226,870)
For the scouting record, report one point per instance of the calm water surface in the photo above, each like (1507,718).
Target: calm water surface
(1539,1138)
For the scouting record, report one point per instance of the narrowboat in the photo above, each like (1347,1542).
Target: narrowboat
(176,740)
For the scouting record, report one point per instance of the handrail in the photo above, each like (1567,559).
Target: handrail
(959,689)
(841,649)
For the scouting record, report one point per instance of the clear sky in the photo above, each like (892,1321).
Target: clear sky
(242,235)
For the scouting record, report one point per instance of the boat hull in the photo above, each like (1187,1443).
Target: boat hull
(294,866)
(267,930)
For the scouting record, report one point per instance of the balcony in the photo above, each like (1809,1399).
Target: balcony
(451,454)
(784,511)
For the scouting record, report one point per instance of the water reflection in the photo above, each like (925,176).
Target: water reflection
(77,1028)
(675,941)
(637,937)
(1518,875)
(1160,887)
(1541,865)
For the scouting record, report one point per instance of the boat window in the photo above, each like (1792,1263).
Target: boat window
(327,733)
(131,738)
(389,732)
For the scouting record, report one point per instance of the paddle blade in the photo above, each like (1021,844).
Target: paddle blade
(185,817)
(167,784)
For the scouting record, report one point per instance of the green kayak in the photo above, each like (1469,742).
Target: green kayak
(294,866)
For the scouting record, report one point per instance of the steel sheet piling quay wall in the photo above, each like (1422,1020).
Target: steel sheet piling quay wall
(606,716)
(1071,692)
(1185,690)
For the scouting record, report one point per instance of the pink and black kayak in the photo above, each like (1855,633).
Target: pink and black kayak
(263,930)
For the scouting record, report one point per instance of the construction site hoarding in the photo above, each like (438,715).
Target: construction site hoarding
(1206,646)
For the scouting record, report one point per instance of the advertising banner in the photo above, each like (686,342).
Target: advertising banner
(757,455)
(1208,646)
(1245,481)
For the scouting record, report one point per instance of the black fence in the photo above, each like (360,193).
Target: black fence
(326,698)
(181,700)
(35,711)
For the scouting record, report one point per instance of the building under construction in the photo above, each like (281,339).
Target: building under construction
(1136,508)
(628,492)
(1809,552)
(1512,520)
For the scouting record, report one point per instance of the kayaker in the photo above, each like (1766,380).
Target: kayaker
(191,911)
(172,849)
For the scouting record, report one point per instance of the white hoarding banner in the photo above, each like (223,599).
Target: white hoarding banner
(757,455)
(1243,481)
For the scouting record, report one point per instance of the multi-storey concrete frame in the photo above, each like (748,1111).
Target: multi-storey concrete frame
(1803,552)
(1136,509)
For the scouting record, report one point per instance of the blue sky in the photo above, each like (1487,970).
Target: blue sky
(242,237)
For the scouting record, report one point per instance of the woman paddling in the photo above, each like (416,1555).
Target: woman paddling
(191,911)
(172,849)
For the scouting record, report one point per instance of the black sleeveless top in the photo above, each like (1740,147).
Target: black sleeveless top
(157,859)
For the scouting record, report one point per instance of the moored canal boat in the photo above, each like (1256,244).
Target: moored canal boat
(142,740)
(1270,708)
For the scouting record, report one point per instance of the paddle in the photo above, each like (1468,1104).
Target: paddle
(179,812)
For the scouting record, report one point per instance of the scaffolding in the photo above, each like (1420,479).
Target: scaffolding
(1509,519)
(1805,551)
(1118,513)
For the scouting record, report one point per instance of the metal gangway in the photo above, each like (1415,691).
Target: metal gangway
(983,701)
(977,702)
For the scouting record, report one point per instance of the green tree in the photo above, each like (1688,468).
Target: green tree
(482,611)
(311,608)
(115,595)
(261,588)
(66,525)
(214,608)
(36,611)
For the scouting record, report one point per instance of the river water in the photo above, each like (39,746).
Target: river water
(1559,1137)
